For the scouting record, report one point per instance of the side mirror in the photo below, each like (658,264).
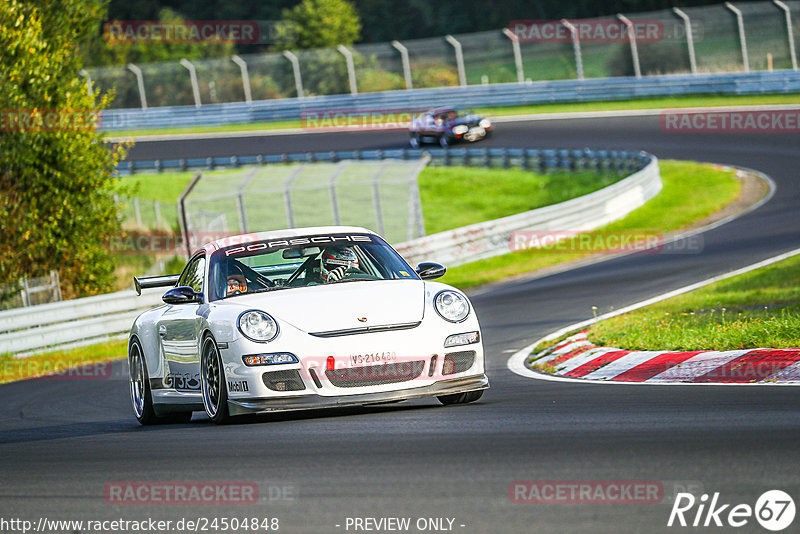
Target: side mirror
(182,295)
(430,271)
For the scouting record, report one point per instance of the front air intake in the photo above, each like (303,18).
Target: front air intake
(284,380)
(458,362)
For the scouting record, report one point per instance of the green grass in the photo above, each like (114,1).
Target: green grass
(47,363)
(691,192)
(453,197)
(647,103)
(754,310)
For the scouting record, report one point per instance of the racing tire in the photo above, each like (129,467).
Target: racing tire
(444,142)
(414,140)
(460,398)
(141,396)
(212,383)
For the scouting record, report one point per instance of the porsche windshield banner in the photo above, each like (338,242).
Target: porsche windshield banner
(269,246)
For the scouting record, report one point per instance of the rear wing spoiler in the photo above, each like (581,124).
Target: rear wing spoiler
(169,280)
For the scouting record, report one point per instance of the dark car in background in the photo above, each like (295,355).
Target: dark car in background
(447,126)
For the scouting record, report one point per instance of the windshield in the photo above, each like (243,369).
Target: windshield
(303,261)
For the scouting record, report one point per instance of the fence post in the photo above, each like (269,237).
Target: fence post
(406,63)
(351,69)
(517,54)
(376,197)
(137,211)
(182,213)
(789,30)
(240,200)
(298,79)
(742,37)
(157,210)
(342,165)
(462,76)
(85,74)
(687,27)
(248,97)
(188,65)
(140,82)
(634,49)
(287,194)
(576,47)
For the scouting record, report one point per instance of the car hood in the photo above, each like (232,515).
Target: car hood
(327,308)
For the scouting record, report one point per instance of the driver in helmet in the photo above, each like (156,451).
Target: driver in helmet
(337,262)
(237,284)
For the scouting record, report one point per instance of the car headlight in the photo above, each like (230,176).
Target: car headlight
(452,306)
(485,123)
(257,325)
(460,129)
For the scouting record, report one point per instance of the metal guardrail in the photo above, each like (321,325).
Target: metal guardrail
(527,158)
(582,214)
(493,95)
(93,319)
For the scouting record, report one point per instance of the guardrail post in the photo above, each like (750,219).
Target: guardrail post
(687,27)
(248,97)
(140,82)
(462,76)
(137,212)
(351,69)
(790,32)
(742,38)
(188,65)
(157,210)
(298,79)
(576,47)
(634,49)
(517,54)
(85,74)
(406,63)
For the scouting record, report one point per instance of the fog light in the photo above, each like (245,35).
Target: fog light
(457,340)
(278,358)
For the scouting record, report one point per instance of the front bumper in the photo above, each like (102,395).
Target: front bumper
(313,401)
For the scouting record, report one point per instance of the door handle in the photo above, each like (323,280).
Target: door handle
(162,331)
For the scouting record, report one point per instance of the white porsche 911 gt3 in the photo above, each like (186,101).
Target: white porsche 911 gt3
(301,319)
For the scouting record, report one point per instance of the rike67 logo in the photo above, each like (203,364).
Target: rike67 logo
(774,510)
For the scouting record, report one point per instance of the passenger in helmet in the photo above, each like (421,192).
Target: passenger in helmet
(337,262)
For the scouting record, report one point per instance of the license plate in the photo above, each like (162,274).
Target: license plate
(372,358)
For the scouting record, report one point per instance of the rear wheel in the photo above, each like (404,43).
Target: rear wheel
(213,385)
(461,398)
(141,396)
(444,141)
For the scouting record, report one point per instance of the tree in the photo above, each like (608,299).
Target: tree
(56,172)
(319,24)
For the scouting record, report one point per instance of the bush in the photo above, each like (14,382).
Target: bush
(660,59)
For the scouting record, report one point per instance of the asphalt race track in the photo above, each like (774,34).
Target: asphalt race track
(62,441)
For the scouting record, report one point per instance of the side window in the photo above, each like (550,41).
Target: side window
(193,275)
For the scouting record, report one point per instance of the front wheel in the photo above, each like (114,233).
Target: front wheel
(444,142)
(460,398)
(213,386)
(414,140)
